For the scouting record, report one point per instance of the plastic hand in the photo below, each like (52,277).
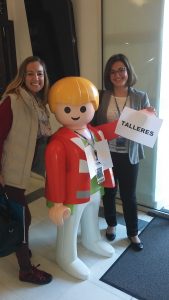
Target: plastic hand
(58,213)
(150,109)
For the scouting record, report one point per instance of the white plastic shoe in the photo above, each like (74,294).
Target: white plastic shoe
(99,247)
(75,268)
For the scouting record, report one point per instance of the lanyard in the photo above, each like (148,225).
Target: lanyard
(118,109)
(98,166)
(89,143)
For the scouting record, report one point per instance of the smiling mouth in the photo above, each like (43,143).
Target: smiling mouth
(75,119)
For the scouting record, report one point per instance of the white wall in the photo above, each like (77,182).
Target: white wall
(88,29)
(16,13)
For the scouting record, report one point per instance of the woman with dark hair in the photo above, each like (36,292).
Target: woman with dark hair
(119,79)
(24,120)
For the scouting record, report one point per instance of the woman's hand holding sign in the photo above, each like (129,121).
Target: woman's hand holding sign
(150,109)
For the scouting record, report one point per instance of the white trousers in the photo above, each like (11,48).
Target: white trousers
(66,244)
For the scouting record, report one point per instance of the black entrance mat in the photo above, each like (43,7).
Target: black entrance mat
(145,274)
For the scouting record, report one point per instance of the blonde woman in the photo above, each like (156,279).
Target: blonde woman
(24,122)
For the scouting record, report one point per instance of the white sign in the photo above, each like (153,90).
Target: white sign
(139,126)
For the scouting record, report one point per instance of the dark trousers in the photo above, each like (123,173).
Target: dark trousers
(22,253)
(126,178)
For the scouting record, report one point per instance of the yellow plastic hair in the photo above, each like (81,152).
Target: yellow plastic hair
(73,91)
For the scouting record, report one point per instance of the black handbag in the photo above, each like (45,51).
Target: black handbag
(11,225)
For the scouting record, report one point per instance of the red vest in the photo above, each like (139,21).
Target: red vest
(67,174)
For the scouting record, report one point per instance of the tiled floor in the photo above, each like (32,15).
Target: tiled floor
(63,286)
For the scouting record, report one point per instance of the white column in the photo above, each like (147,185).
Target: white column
(88,29)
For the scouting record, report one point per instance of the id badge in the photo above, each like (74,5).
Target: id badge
(99,172)
(120,142)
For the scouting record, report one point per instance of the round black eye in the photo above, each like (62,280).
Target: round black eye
(83,109)
(67,110)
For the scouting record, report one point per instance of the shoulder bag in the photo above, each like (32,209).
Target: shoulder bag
(11,225)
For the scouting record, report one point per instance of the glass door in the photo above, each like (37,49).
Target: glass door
(135,28)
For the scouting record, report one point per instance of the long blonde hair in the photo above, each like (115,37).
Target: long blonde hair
(19,80)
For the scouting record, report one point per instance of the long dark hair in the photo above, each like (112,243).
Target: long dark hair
(132,77)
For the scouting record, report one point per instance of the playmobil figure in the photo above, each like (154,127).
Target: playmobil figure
(73,186)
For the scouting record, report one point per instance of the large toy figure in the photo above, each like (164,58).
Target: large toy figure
(73,187)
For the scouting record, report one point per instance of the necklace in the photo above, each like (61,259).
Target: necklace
(85,138)
(118,109)
(89,143)
(99,168)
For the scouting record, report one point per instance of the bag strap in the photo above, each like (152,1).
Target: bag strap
(4,196)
